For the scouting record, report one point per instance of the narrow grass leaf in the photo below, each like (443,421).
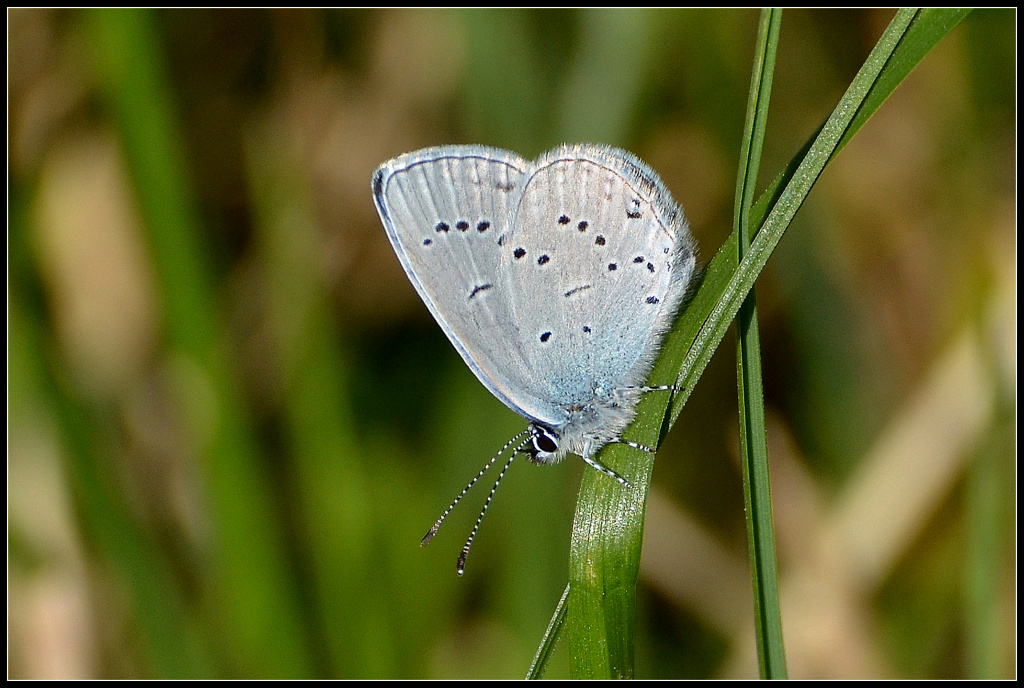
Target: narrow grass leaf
(550,639)
(753,441)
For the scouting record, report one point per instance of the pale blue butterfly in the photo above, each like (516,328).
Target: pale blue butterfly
(555,279)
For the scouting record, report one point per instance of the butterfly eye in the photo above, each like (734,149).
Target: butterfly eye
(545,443)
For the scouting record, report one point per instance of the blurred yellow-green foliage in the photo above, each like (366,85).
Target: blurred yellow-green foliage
(231,420)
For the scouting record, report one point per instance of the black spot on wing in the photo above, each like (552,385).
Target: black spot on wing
(576,290)
(478,289)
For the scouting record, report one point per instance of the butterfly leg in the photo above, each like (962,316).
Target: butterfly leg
(659,388)
(593,463)
(635,445)
(588,459)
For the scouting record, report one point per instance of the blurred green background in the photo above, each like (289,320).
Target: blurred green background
(230,419)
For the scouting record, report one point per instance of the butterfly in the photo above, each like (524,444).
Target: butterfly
(555,279)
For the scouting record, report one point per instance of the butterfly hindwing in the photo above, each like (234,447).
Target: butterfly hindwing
(597,277)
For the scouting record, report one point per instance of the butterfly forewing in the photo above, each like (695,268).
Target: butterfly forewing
(446,211)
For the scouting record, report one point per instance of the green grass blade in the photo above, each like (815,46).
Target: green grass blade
(547,643)
(247,584)
(927,29)
(753,441)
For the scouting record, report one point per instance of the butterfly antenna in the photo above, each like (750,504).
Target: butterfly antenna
(437,524)
(460,567)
